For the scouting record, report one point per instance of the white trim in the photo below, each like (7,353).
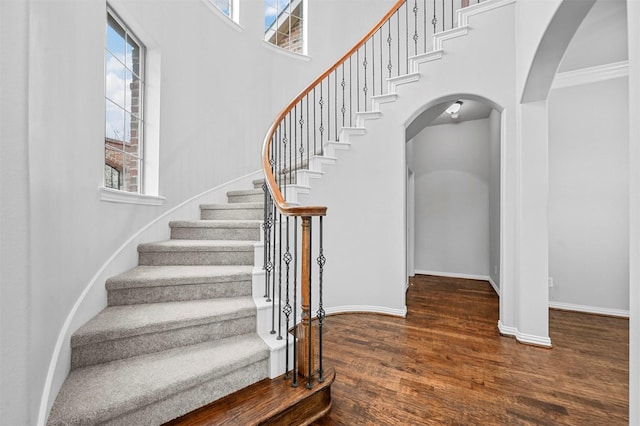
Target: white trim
(522,337)
(64,331)
(494,285)
(285,52)
(453,275)
(346,309)
(464,276)
(589,309)
(117,196)
(591,75)
(229,20)
(482,7)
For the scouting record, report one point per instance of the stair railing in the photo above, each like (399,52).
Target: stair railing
(297,138)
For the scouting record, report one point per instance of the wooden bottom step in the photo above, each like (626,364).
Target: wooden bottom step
(267,402)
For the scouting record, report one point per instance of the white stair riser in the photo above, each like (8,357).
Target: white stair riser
(203,233)
(176,293)
(258,197)
(229,214)
(196,258)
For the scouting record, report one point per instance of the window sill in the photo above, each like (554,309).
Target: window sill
(285,52)
(116,196)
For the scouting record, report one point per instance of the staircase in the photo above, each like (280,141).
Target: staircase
(180,329)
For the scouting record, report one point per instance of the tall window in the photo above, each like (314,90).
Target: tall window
(124,95)
(283,24)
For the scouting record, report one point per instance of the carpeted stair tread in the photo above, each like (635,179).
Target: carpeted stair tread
(234,206)
(116,322)
(102,392)
(245,192)
(197,245)
(216,223)
(171,275)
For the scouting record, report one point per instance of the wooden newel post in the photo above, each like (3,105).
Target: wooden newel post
(305,333)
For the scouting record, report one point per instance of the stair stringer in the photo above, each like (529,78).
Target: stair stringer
(365,190)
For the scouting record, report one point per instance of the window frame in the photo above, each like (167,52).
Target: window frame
(272,33)
(127,110)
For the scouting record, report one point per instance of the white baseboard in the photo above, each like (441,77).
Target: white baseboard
(590,309)
(345,309)
(463,276)
(529,339)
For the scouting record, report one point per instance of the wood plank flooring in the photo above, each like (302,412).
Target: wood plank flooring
(446,364)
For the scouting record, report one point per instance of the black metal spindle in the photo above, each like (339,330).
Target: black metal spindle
(358,79)
(443,7)
(321,103)
(424,16)
(381,61)
(373,65)
(321,313)
(310,328)
(279,278)
(406,28)
(434,21)
(415,33)
(314,121)
(287,305)
(314,153)
(365,88)
(335,101)
(389,40)
(343,83)
(294,382)
(398,25)
(301,149)
(350,92)
(328,106)
(273,278)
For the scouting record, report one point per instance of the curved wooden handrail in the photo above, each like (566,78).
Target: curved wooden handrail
(270,180)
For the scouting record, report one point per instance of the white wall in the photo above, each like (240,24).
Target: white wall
(219,87)
(589,195)
(452,172)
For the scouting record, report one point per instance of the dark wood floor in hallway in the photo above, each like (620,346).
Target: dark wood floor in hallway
(446,364)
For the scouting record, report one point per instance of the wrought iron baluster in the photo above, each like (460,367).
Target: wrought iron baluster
(424,16)
(287,305)
(443,15)
(398,25)
(343,84)
(381,61)
(321,103)
(301,149)
(294,382)
(415,34)
(310,324)
(406,28)
(389,40)
(364,65)
(335,106)
(350,93)
(358,79)
(321,313)
(279,279)
(314,121)
(373,64)
(273,278)
(434,21)
(328,106)
(314,153)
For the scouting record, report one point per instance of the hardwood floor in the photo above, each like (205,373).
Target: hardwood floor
(446,364)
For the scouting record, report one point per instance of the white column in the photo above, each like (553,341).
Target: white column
(633,11)
(532,292)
